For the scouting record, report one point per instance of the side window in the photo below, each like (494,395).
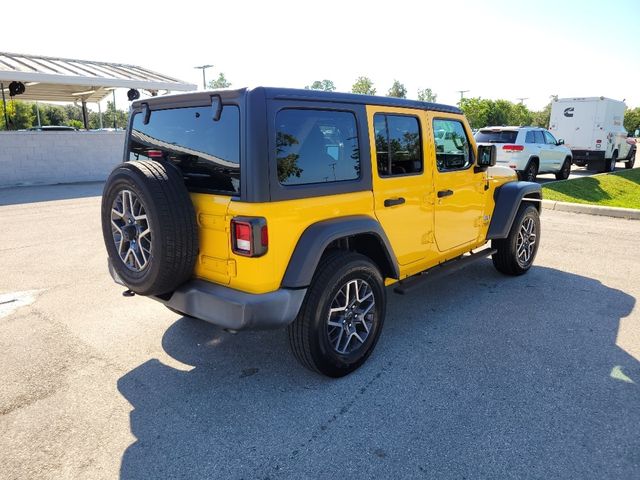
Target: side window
(539,136)
(530,137)
(398,144)
(452,146)
(549,138)
(316,146)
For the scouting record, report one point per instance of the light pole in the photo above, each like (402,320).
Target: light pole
(115,112)
(462,92)
(204,78)
(522,99)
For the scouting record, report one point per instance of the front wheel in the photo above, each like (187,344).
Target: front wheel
(341,317)
(565,171)
(515,254)
(632,159)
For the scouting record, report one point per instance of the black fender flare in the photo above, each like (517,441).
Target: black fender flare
(508,198)
(318,236)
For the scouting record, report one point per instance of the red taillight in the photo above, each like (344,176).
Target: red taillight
(598,141)
(154,153)
(243,237)
(513,148)
(249,236)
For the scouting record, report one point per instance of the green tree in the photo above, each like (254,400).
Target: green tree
(363,85)
(476,110)
(220,82)
(542,118)
(326,85)
(632,120)
(52,114)
(520,115)
(426,95)
(20,115)
(482,112)
(120,116)
(397,90)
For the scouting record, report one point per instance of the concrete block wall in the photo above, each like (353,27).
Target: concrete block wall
(32,158)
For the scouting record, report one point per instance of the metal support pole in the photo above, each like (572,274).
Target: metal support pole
(204,77)
(114,109)
(38,114)
(4,108)
(85,117)
(100,115)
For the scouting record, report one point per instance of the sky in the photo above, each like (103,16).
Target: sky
(492,48)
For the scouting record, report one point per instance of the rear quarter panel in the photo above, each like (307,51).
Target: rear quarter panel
(286,221)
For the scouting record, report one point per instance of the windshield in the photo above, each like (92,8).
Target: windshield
(496,136)
(207,152)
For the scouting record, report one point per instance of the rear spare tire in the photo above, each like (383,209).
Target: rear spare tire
(149,226)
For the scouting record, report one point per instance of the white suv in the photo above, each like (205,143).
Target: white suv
(528,150)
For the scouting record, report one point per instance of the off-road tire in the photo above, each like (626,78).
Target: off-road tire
(171,218)
(506,258)
(530,173)
(308,334)
(565,171)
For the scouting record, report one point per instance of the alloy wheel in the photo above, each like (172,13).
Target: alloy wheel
(526,242)
(131,231)
(351,316)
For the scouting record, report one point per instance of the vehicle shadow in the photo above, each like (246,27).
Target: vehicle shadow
(477,376)
(47,193)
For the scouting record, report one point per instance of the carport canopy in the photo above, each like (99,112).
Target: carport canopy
(68,80)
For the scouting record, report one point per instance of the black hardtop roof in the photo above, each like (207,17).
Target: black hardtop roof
(305,95)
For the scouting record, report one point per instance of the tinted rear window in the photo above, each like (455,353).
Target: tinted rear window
(316,146)
(398,145)
(499,136)
(206,152)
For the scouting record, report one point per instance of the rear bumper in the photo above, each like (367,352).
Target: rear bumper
(233,309)
(229,308)
(584,156)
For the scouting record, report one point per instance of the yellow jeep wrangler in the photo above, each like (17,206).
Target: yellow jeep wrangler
(266,208)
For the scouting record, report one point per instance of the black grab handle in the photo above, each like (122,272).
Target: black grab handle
(390,202)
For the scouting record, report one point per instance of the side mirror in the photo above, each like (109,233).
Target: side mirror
(560,142)
(486,155)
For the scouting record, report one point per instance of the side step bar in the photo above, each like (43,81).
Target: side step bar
(404,286)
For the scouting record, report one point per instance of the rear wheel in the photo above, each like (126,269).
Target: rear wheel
(610,166)
(565,171)
(632,159)
(342,315)
(530,173)
(515,254)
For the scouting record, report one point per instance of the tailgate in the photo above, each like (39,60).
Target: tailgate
(213,263)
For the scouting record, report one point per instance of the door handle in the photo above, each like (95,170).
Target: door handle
(390,202)
(445,193)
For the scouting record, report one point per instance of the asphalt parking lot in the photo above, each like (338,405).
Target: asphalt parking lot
(476,376)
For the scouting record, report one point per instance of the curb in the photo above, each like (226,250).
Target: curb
(617,212)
